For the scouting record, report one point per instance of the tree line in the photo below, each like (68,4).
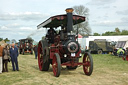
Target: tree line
(117,31)
(6,39)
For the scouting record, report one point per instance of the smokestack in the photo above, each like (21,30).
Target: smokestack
(69,20)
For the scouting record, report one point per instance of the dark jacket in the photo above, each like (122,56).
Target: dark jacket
(35,49)
(14,53)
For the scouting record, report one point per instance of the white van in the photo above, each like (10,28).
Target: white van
(122,42)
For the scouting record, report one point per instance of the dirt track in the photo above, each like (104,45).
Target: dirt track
(108,70)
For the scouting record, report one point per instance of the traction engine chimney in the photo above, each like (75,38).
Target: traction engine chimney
(69,20)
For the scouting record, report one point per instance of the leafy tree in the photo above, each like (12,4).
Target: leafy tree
(84,28)
(117,30)
(1,39)
(6,40)
(108,33)
(96,34)
(124,32)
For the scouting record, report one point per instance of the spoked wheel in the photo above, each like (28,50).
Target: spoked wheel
(56,65)
(88,67)
(43,66)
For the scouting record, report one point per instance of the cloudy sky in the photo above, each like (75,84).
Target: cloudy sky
(19,18)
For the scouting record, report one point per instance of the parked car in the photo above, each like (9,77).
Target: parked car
(100,46)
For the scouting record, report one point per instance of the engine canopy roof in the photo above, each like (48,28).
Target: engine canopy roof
(60,20)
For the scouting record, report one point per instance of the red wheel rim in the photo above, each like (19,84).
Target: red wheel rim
(40,56)
(127,58)
(86,67)
(54,65)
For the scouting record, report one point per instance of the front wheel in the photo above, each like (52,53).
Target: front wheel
(56,65)
(100,52)
(88,64)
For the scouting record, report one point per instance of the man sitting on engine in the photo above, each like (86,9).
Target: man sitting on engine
(51,35)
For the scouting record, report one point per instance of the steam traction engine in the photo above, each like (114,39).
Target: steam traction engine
(26,46)
(62,48)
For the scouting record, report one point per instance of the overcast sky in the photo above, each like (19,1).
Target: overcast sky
(19,18)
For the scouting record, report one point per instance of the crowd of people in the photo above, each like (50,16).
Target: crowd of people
(7,53)
(10,53)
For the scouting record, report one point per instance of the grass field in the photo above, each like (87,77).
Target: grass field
(108,70)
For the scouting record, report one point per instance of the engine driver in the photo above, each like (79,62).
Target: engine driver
(51,35)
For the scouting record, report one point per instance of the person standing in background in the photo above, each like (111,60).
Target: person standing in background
(14,57)
(120,52)
(35,51)
(5,58)
(1,54)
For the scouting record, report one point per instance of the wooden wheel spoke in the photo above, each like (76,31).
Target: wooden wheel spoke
(88,63)
(87,58)
(54,65)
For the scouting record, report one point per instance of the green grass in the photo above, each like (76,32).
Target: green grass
(108,70)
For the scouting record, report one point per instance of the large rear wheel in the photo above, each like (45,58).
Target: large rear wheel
(88,64)
(56,65)
(43,65)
